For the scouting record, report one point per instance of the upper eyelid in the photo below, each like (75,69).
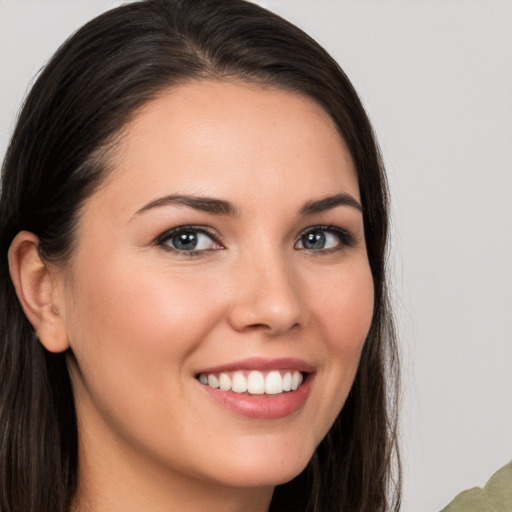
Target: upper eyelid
(163,241)
(347,237)
(188,227)
(325,227)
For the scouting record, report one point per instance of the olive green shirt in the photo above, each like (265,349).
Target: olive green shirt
(496,496)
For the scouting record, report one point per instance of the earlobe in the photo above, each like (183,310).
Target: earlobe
(36,289)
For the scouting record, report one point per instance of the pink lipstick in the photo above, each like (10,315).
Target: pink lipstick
(259,388)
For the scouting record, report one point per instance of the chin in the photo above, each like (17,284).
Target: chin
(264,477)
(263,467)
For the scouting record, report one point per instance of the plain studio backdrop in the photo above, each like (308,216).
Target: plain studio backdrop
(436,79)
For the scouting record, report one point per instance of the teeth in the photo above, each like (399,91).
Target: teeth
(255,382)
(296,380)
(224,382)
(273,383)
(287,381)
(239,383)
(213,382)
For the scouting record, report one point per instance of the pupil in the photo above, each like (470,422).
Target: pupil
(185,241)
(315,240)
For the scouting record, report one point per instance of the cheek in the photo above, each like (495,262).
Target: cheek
(134,329)
(133,315)
(153,312)
(345,308)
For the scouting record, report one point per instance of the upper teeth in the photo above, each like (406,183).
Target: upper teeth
(254,382)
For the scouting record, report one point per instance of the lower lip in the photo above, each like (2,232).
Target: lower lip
(265,407)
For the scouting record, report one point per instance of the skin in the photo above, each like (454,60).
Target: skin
(141,319)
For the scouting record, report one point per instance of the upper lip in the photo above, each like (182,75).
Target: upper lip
(261,364)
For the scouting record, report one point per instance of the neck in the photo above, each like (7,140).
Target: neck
(121,498)
(117,480)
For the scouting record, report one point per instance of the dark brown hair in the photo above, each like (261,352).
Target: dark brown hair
(58,156)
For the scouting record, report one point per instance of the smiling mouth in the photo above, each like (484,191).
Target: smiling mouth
(254,382)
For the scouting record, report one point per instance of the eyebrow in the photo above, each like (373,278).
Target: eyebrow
(222,207)
(327,203)
(205,204)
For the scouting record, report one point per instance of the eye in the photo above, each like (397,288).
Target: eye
(324,238)
(189,239)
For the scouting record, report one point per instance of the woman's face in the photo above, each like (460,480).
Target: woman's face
(226,247)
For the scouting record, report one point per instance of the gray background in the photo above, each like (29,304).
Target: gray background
(436,78)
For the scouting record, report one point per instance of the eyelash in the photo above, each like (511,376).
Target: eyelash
(346,239)
(183,230)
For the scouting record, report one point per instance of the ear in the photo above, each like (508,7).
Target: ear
(39,291)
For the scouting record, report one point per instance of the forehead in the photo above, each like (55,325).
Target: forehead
(219,138)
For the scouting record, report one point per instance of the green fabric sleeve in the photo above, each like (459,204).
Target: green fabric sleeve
(496,496)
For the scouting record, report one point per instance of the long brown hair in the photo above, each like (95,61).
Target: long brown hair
(57,157)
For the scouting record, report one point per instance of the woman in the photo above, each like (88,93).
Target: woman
(193,237)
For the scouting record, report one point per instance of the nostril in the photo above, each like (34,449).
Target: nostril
(246,318)
(269,298)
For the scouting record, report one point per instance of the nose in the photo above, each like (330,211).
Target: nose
(267,297)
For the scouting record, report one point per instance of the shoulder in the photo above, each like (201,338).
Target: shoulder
(496,496)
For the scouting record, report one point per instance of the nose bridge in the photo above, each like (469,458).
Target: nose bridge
(267,294)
